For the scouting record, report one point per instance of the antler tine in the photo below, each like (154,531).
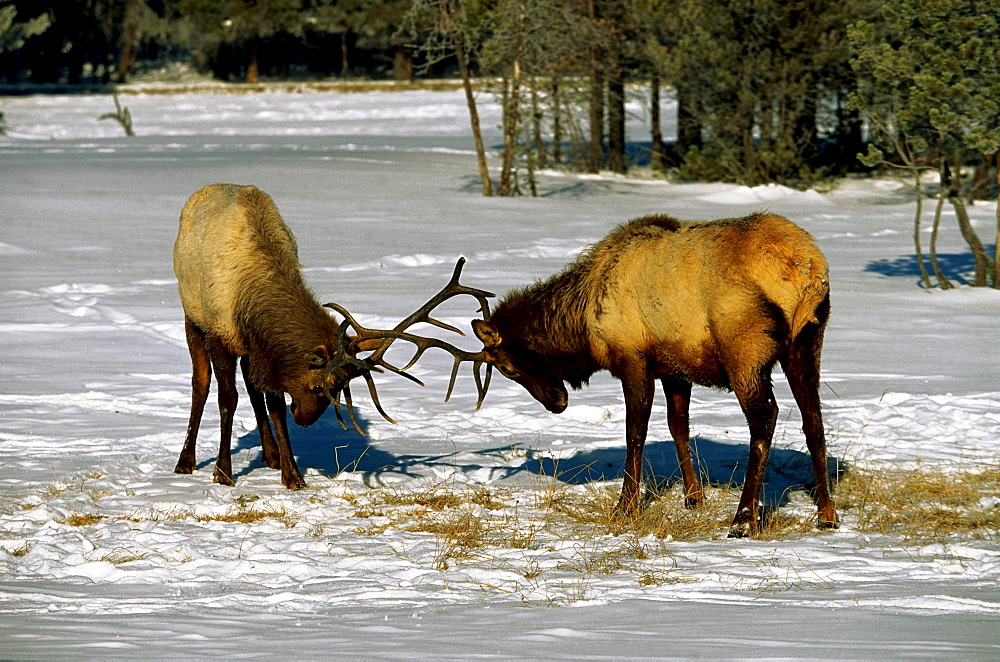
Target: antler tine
(452,289)
(350,408)
(374,394)
(481,385)
(337,378)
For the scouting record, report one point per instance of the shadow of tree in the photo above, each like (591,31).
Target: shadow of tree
(958,267)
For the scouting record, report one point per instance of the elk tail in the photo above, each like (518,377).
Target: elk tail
(810,309)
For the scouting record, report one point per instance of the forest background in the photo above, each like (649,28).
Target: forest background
(794,93)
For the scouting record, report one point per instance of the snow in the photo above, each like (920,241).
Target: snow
(381,191)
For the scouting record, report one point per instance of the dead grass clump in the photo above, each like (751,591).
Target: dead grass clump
(247,515)
(429,498)
(120,555)
(461,535)
(664,516)
(923,505)
(83,519)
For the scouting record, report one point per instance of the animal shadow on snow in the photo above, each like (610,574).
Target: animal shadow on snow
(327,448)
(718,464)
(958,267)
(323,446)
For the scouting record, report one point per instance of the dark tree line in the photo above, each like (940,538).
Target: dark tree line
(765,91)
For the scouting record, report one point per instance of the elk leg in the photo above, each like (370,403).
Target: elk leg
(678,393)
(637,384)
(224,364)
(802,371)
(268,446)
(290,475)
(761,411)
(201,380)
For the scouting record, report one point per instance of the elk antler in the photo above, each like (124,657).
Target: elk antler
(379,340)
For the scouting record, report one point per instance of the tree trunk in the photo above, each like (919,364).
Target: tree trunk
(345,66)
(402,67)
(557,137)
(688,125)
(596,102)
(953,184)
(252,74)
(656,148)
(616,121)
(596,160)
(510,129)
(127,59)
(942,280)
(541,156)
(996,246)
(925,278)
(972,239)
(470,101)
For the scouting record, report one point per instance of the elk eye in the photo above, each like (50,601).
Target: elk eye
(509,373)
(317,389)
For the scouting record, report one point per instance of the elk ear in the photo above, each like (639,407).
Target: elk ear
(486,332)
(319,357)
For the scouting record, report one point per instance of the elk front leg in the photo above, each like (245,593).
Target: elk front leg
(268,447)
(201,380)
(761,412)
(637,384)
(224,364)
(290,475)
(678,393)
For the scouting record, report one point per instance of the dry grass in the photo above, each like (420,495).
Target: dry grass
(591,512)
(120,555)
(83,519)
(923,505)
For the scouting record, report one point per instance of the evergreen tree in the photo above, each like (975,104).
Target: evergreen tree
(930,86)
(13,35)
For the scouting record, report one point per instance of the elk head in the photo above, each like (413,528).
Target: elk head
(345,364)
(517,362)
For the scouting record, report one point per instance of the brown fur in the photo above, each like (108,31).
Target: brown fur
(712,303)
(243,296)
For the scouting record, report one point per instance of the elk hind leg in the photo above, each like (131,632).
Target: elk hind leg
(201,380)
(267,443)
(802,371)
(291,477)
(678,394)
(224,365)
(757,401)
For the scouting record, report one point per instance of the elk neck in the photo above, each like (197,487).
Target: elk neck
(280,322)
(549,318)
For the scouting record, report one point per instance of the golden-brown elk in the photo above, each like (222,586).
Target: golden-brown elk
(713,303)
(244,298)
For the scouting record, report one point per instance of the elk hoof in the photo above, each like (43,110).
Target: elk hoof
(296,484)
(828,524)
(183,469)
(222,479)
(744,524)
(625,509)
(693,501)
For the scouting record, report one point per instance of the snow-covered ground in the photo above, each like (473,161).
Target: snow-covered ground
(104,552)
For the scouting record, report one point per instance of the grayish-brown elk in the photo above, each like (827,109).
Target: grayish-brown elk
(713,303)
(244,298)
